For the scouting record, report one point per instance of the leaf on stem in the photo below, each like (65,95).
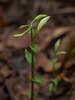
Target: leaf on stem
(37,79)
(28,56)
(57,44)
(61,53)
(55,81)
(40,25)
(22,34)
(29,94)
(34,48)
(23,26)
(53,61)
(30,30)
(38,17)
(52,88)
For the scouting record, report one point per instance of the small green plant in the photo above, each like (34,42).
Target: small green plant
(30,55)
(54,81)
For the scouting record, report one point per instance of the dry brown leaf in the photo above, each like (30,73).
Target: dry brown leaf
(52,34)
(61,31)
(67,43)
(69,63)
(44,63)
(5,71)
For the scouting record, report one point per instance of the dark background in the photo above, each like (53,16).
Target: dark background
(15,70)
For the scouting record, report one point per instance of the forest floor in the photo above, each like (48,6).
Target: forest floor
(14,69)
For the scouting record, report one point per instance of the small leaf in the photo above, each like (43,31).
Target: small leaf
(22,34)
(61,53)
(57,44)
(23,26)
(54,60)
(37,79)
(30,30)
(34,48)
(28,56)
(52,88)
(40,25)
(29,94)
(55,81)
(38,17)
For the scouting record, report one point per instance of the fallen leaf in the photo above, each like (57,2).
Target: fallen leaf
(44,63)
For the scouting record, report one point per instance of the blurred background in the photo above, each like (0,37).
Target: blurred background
(15,70)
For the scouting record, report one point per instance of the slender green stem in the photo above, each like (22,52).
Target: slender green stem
(53,94)
(32,69)
(54,75)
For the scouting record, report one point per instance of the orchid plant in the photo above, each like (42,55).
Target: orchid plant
(30,55)
(54,81)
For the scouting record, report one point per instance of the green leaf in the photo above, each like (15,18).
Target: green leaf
(29,94)
(61,53)
(22,34)
(57,44)
(55,81)
(40,25)
(38,18)
(30,30)
(37,79)
(52,88)
(53,61)
(28,56)
(23,26)
(34,48)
